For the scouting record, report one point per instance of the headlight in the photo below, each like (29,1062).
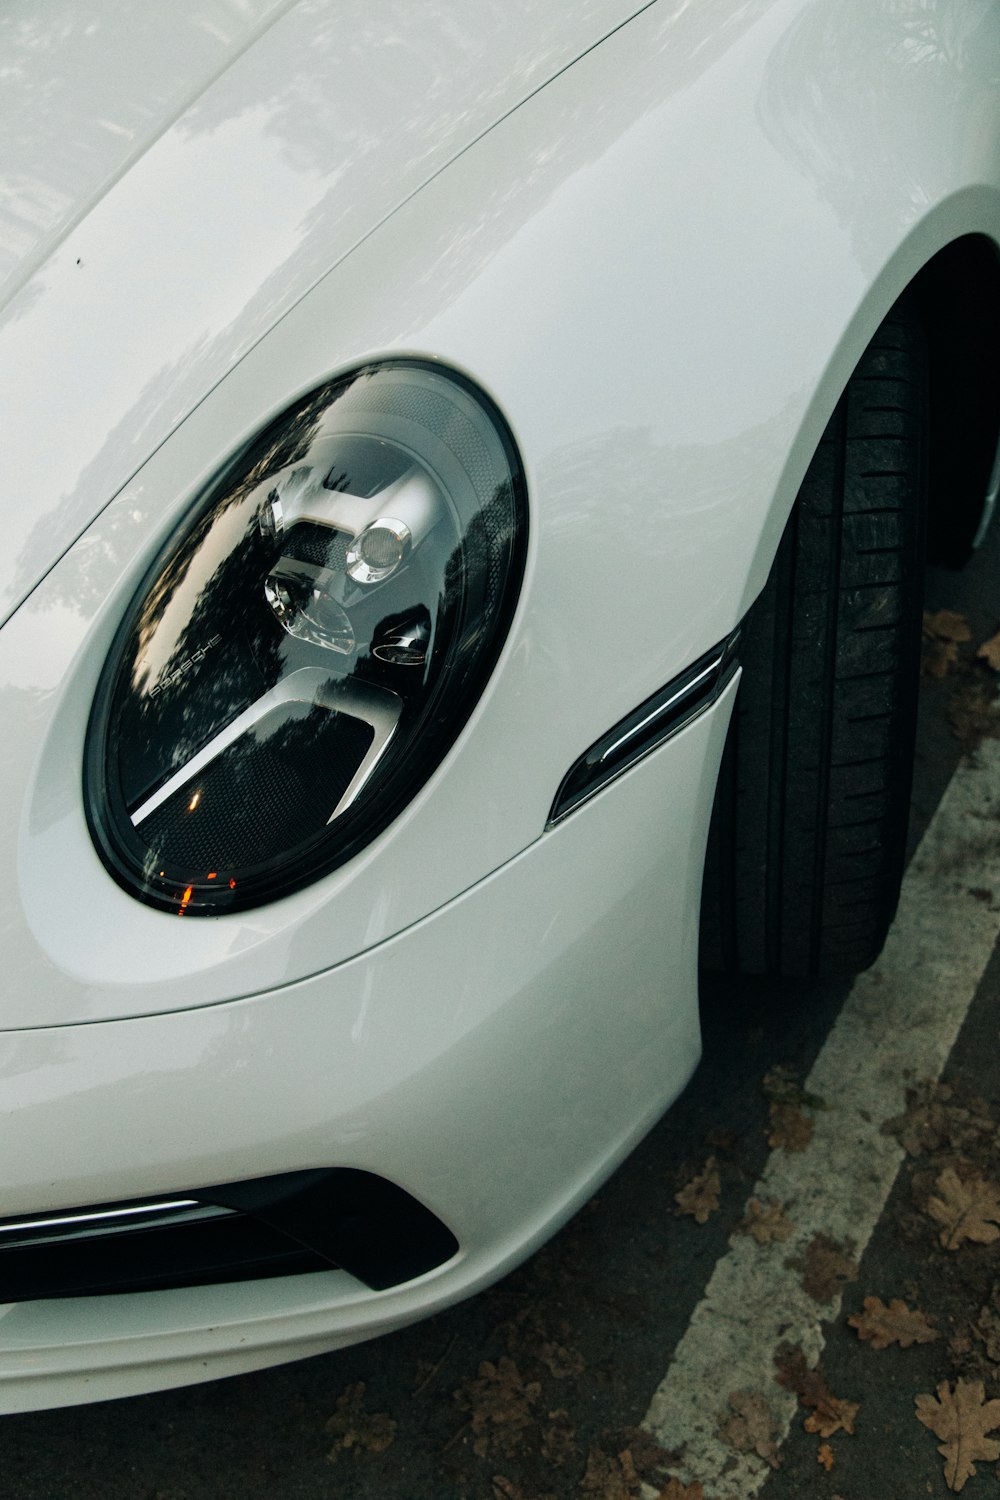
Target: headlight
(295,665)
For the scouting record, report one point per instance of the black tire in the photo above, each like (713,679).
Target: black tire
(808,834)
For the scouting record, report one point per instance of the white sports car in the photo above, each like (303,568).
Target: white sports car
(418,422)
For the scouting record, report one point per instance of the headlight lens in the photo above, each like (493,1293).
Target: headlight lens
(296,664)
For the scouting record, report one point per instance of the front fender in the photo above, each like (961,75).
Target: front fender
(662,268)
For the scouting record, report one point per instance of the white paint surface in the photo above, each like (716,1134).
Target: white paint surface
(898,1025)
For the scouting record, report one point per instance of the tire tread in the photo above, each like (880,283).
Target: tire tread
(822,735)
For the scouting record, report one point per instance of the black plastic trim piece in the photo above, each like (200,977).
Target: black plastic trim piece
(281,1225)
(648,726)
(357,1221)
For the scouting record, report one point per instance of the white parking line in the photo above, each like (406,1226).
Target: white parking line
(898,1025)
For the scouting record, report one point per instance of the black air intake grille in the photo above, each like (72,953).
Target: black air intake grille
(269,1226)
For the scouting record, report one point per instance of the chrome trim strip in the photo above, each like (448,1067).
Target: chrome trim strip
(684,692)
(96,1220)
(379,708)
(313,685)
(989,502)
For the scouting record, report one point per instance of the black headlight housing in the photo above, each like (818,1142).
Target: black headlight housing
(298,660)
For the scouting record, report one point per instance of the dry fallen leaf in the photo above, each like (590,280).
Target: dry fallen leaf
(499,1403)
(354,1428)
(560,1361)
(932,1121)
(881,1326)
(989,652)
(700,1197)
(781,1086)
(767,1223)
(825,1456)
(610,1477)
(790,1129)
(967,1210)
(827,1413)
(938,657)
(557,1439)
(751,1428)
(650,1461)
(826,1267)
(793,1372)
(962,1418)
(676,1491)
(973,712)
(833,1414)
(947,625)
(943,632)
(987,1326)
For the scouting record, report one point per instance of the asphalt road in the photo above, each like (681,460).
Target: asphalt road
(539,1387)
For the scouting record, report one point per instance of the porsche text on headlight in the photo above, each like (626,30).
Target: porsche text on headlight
(296,664)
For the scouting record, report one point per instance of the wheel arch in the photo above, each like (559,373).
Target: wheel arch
(958,296)
(950,264)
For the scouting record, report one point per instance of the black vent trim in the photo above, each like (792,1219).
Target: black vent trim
(646,727)
(241,1231)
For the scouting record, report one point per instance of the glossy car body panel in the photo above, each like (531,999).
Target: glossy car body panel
(719,363)
(85,96)
(661,266)
(274,171)
(532,1041)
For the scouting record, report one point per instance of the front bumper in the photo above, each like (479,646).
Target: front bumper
(496,1059)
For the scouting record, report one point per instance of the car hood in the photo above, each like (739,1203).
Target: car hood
(177,174)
